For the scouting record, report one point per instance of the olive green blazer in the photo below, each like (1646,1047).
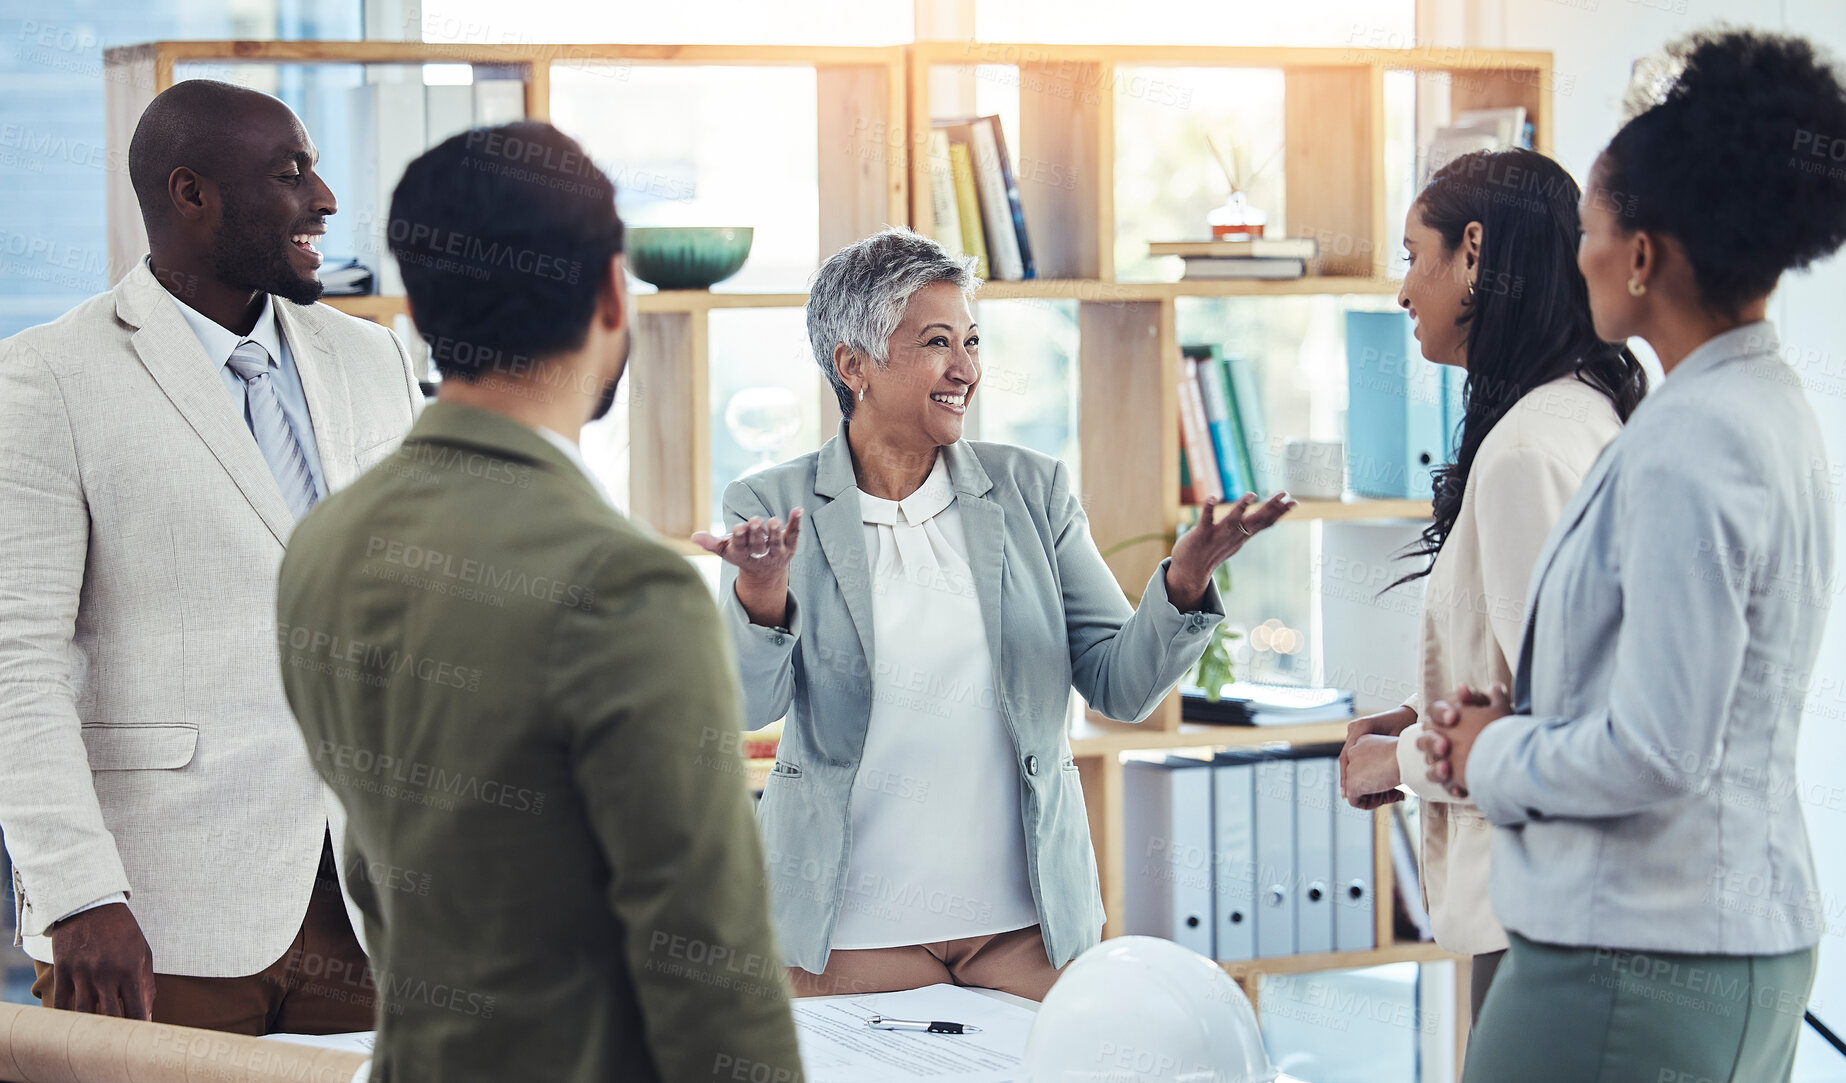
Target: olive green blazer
(529,708)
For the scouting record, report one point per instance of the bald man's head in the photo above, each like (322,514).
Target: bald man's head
(225,179)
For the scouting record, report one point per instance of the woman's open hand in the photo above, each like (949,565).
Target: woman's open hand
(759,549)
(1214,541)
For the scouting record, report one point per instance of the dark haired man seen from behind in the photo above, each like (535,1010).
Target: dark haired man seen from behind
(521,697)
(157,443)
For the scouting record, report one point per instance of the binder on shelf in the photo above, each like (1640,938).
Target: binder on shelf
(1396,408)
(1316,788)
(1233,818)
(1353,898)
(1166,834)
(1275,858)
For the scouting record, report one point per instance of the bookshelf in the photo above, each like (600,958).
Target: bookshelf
(873,112)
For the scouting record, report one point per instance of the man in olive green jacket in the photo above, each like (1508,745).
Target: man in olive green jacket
(527,703)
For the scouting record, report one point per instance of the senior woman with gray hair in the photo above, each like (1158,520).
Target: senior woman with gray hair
(924,822)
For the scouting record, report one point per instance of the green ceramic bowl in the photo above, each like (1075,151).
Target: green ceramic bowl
(687,257)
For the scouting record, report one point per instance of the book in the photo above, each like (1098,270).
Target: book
(1259,248)
(1247,406)
(1186,496)
(1198,267)
(1015,209)
(1219,420)
(968,207)
(990,185)
(1205,480)
(945,215)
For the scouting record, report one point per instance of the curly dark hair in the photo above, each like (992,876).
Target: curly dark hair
(504,237)
(1742,161)
(1529,322)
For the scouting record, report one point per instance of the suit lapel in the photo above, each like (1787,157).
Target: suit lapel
(172,355)
(841,533)
(984,525)
(323,383)
(1567,522)
(840,530)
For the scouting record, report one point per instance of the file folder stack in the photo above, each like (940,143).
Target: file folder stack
(1247,855)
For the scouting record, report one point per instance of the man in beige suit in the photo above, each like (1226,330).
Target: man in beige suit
(157,445)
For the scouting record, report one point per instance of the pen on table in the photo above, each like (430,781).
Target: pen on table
(880,1022)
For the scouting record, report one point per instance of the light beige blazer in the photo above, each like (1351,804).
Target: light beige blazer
(1526,470)
(145,744)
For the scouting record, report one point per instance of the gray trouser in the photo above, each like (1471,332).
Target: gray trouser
(1601,1015)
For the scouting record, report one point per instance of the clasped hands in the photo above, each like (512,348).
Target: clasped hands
(1368,762)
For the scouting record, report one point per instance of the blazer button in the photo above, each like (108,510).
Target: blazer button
(1031,765)
(781,639)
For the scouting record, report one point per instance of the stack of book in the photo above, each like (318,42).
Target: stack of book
(1246,703)
(974,198)
(1261,257)
(1225,450)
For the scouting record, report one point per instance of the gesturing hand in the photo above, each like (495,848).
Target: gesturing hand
(1455,723)
(1212,542)
(102,964)
(759,549)
(761,552)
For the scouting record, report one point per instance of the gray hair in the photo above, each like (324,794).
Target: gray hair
(859,295)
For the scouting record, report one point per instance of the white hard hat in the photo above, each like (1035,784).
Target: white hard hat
(1138,1009)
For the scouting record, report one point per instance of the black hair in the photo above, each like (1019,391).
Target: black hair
(504,237)
(1528,317)
(1742,161)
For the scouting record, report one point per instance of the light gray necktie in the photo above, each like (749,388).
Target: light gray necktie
(274,435)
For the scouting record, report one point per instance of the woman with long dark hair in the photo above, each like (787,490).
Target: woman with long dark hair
(1493,288)
(1651,863)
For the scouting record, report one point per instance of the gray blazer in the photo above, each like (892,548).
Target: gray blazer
(1055,619)
(1644,793)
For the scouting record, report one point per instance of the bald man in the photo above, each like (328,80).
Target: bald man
(170,839)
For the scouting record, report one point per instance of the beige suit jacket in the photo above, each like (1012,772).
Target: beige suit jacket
(1527,469)
(145,744)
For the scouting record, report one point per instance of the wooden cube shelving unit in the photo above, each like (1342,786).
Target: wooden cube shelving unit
(873,112)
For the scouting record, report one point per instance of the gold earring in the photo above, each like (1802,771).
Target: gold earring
(1470,291)
(1636,287)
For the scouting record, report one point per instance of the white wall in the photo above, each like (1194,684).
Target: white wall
(1594,43)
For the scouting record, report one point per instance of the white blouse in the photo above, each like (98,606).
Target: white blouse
(938,849)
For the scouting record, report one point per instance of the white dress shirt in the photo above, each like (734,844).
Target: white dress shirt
(938,839)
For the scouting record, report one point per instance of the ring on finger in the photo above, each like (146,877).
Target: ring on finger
(1247,532)
(759,556)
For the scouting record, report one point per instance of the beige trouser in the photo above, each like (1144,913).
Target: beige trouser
(1012,962)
